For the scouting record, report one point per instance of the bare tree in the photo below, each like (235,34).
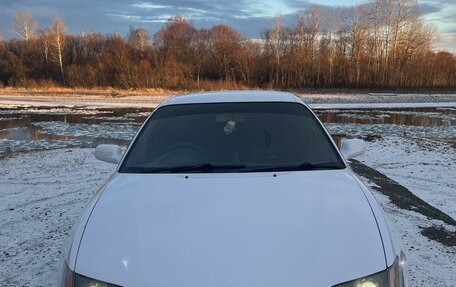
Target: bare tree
(139,38)
(275,41)
(24,26)
(247,59)
(57,43)
(377,44)
(309,23)
(200,47)
(307,32)
(224,48)
(357,38)
(45,37)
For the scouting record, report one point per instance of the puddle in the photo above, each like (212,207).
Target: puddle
(23,129)
(437,123)
(426,117)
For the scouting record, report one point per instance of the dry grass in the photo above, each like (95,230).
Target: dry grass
(109,92)
(52,90)
(105,95)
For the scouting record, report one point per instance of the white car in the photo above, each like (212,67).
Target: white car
(233,189)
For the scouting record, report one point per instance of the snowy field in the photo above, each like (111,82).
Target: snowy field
(42,200)
(336,100)
(427,168)
(43,192)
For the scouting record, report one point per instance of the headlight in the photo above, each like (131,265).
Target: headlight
(66,276)
(82,281)
(394,276)
(71,279)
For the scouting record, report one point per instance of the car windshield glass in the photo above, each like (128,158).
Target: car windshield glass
(231,137)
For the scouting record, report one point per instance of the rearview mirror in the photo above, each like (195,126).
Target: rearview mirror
(351,148)
(108,153)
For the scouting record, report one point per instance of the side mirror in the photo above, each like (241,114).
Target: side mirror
(352,148)
(108,153)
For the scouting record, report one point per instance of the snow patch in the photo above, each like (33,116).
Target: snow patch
(43,193)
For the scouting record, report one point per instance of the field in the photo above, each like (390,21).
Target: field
(152,97)
(46,182)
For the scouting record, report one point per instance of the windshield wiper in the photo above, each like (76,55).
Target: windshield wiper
(204,168)
(302,166)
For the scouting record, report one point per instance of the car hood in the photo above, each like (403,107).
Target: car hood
(291,229)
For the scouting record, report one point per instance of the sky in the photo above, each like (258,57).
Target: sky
(248,16)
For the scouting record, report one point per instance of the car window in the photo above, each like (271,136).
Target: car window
(242,135)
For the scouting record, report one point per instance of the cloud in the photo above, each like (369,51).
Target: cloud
(150,6)
(446,42)
(297,4)
(250,17)
(428,8)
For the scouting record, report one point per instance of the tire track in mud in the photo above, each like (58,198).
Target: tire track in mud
(405,199)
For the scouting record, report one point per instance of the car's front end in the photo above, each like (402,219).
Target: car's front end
(241,193)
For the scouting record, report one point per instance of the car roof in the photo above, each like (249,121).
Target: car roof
(232,97)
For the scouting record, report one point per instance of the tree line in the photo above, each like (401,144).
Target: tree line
(377,44)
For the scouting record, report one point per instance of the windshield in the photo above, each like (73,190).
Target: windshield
(231,137)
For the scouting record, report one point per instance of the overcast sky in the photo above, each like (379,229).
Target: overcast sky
(248,16)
